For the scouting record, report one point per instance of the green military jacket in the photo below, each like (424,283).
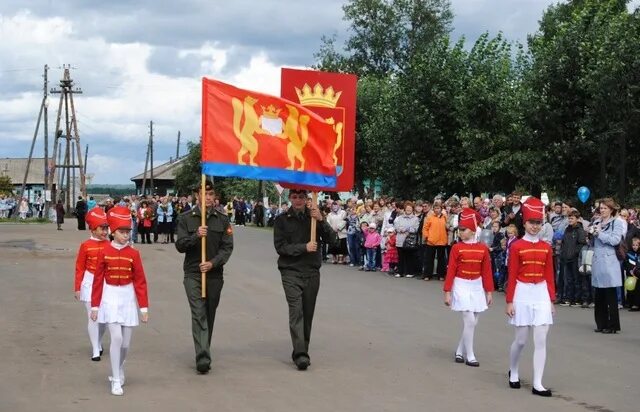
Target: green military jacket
(291,233)
(219,241)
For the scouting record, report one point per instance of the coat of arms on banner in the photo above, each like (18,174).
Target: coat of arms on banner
(325,103)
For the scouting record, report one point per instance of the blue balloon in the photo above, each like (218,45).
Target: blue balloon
(583,194)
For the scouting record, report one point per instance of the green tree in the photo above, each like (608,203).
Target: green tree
(385,35)
(584,83)
(6,187)
(188,175)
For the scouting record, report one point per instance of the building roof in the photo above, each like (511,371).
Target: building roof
(166,171)
(15,168)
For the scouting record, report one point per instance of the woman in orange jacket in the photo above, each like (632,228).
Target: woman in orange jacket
(434,234)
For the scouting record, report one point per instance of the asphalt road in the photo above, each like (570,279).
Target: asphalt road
(378,343)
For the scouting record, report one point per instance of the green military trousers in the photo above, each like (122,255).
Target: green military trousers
(203,314)
(301,295)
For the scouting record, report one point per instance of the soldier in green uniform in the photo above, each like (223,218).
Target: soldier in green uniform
(219,236)
(299,264)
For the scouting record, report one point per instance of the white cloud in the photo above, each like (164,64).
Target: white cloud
(120,94)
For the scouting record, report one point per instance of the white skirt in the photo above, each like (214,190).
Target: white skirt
(532,305)
(468,295)
(86,286)
(119,305)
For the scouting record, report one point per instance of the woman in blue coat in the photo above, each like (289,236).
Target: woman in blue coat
(607,233)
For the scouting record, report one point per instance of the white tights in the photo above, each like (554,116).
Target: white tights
(120,340)
(465,346)
(96,331)
(539,353)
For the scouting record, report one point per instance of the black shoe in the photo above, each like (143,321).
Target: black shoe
(203,368)
(609,331)
(302,362)
(96,359)
(473,363)
(546,393)
(598,330)
(513,385)
(459,358)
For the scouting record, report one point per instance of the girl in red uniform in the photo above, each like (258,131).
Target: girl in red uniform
(469,283)
(85,268)
(119,289)
(530,295)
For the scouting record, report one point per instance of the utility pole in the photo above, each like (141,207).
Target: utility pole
(151,155)
(46,141)
(33,142)
(86,152)
(66,93)
(73,178)
(178,147)
(146,164)
(43,109)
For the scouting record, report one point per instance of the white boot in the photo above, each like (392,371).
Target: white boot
(116,388)
(123,357)
(122,374)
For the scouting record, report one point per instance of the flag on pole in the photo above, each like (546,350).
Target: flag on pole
(256,136)
(333,97)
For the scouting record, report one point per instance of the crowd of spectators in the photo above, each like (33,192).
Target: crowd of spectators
(412,239)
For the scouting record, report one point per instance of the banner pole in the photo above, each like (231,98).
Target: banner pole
(314,204)
(203,240)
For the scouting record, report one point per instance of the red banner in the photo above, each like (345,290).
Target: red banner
(257,136)
(333,97)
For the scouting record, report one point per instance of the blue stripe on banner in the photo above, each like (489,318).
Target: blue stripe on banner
(268,173)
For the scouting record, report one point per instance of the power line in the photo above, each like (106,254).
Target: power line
(19,70)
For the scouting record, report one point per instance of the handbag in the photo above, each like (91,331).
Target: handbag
(586,258)
(621,248)
(411,241)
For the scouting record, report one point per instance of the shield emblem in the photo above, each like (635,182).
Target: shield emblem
(271,125)
(333,97)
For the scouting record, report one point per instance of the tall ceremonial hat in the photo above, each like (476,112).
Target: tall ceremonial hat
(119,217)
(468,219)
(96,218)
(533,209)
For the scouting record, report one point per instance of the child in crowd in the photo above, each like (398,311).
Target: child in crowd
(119,289)
(530,295)
(85,268)
(497,255)
(632,268)
(511,232)
(364,229)
(371,244)
(383,252)
(468,286)
(390,255)
(573,240)
(501,261)
(353,236)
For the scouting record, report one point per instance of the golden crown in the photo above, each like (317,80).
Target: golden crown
(271,111)
(318,96)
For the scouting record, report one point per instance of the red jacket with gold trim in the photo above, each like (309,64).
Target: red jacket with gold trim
(530,263)
(469,261)
(87,259)
(119,268)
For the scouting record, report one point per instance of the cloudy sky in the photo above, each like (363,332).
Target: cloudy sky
(142,60)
